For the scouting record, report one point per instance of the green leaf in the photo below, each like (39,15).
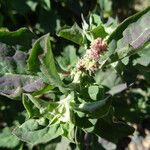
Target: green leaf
(108,78)
(37,49)
(99,31)
(117,34)
(144,61)
(95,92)
(112,131)
(14,77)
(38,103)
(54,111)
(68,129)
(32,4)
(41,58)
(96,109)
(64,108)
(7,140)
(34,106)
(132,34)
(35,131)
(106,7)
(28,105)
(117,89)
(46,89)
(64,144)
(74,34)
(143,58)
(14,85)
(47,5)
(21,38)
(68,59)
(82,122)
(94,20)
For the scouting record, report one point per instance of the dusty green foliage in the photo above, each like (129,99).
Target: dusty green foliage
(64,100)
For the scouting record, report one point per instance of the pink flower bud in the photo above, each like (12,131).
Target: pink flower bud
(92,54)
(99,44)
(90,61)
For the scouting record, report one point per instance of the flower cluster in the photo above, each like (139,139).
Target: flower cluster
(99,44)
(89,62)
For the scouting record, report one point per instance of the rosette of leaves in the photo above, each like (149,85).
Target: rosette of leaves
(59,104)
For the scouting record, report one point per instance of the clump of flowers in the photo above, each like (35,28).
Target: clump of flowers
(99,44)
(90,61)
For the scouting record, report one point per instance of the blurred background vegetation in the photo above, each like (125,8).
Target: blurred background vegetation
(44,16)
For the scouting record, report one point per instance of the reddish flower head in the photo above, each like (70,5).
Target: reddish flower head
(92,54)
(90,61)
(99,44)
